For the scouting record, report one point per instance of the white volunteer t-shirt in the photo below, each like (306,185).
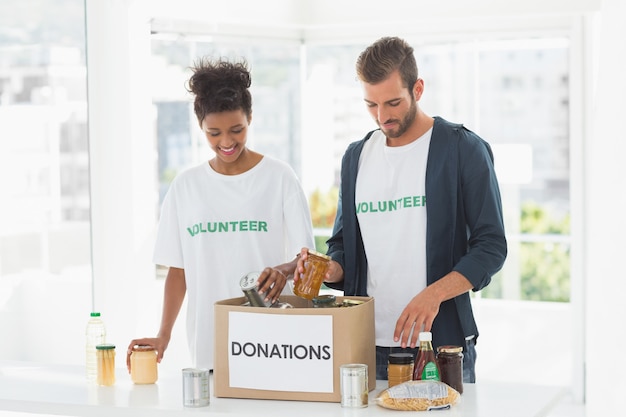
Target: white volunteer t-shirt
(220,227)
(391,209)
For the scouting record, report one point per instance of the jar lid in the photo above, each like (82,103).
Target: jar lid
(450,349)
(401,358)
(324,300)
(248,281)
(321,255)
(105,347)
(142,348)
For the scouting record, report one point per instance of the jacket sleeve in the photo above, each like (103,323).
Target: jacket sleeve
(335,242)
(482,208)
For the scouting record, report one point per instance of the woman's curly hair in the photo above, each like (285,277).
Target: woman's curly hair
(220,85)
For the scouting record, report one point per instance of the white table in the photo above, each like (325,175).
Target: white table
(62,390)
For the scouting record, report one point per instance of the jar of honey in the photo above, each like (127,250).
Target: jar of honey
(400,368)
(143,365)
(105,355)
(309,283)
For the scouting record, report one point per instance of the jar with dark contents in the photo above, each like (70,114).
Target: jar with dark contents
(450,361)
(400,368)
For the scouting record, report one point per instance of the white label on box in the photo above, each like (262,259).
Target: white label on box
(280,352)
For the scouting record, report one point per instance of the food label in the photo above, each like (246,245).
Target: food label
(430,372)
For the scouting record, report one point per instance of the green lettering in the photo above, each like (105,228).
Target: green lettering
(253,225)
(382,206)
(201,229)
(190,231)
(234,226)
(262,226)
(223,227)
(243,225)
(407,201)
(392,205)
(212,227)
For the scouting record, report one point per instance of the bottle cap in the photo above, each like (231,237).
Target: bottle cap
(426,337)
(401,358)
(95,314)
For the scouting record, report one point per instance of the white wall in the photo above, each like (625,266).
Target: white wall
(604,222)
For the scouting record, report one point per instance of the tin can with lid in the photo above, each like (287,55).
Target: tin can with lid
(196,391)
(250,288)
(143,364)
(353,385)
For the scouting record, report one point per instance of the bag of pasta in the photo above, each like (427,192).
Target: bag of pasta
(418,396)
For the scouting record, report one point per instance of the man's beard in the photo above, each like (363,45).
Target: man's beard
(404,124)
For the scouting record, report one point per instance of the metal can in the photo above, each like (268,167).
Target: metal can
(250,288)
(354,387)
(196,387)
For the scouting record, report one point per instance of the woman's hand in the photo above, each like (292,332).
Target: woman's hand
(271,283)
(159,344)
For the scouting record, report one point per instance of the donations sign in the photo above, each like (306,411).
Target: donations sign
(265,349)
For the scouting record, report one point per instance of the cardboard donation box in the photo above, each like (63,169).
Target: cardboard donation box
(290,353)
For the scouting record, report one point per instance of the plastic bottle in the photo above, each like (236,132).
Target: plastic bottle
(95,335)
(426,367)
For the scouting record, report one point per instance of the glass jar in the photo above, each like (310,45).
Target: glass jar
(315,268)
(105,355)
(450,360)
(324,301)
(143,365)
(400,368)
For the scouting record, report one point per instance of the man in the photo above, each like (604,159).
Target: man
(419,220)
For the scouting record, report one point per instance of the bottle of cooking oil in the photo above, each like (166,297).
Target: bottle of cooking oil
(95,335)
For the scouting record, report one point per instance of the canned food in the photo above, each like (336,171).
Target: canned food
(354,390)
(196,387)
(250,288)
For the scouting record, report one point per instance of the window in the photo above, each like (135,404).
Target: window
(45,257)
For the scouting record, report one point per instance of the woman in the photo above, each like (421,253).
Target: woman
(234,214)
